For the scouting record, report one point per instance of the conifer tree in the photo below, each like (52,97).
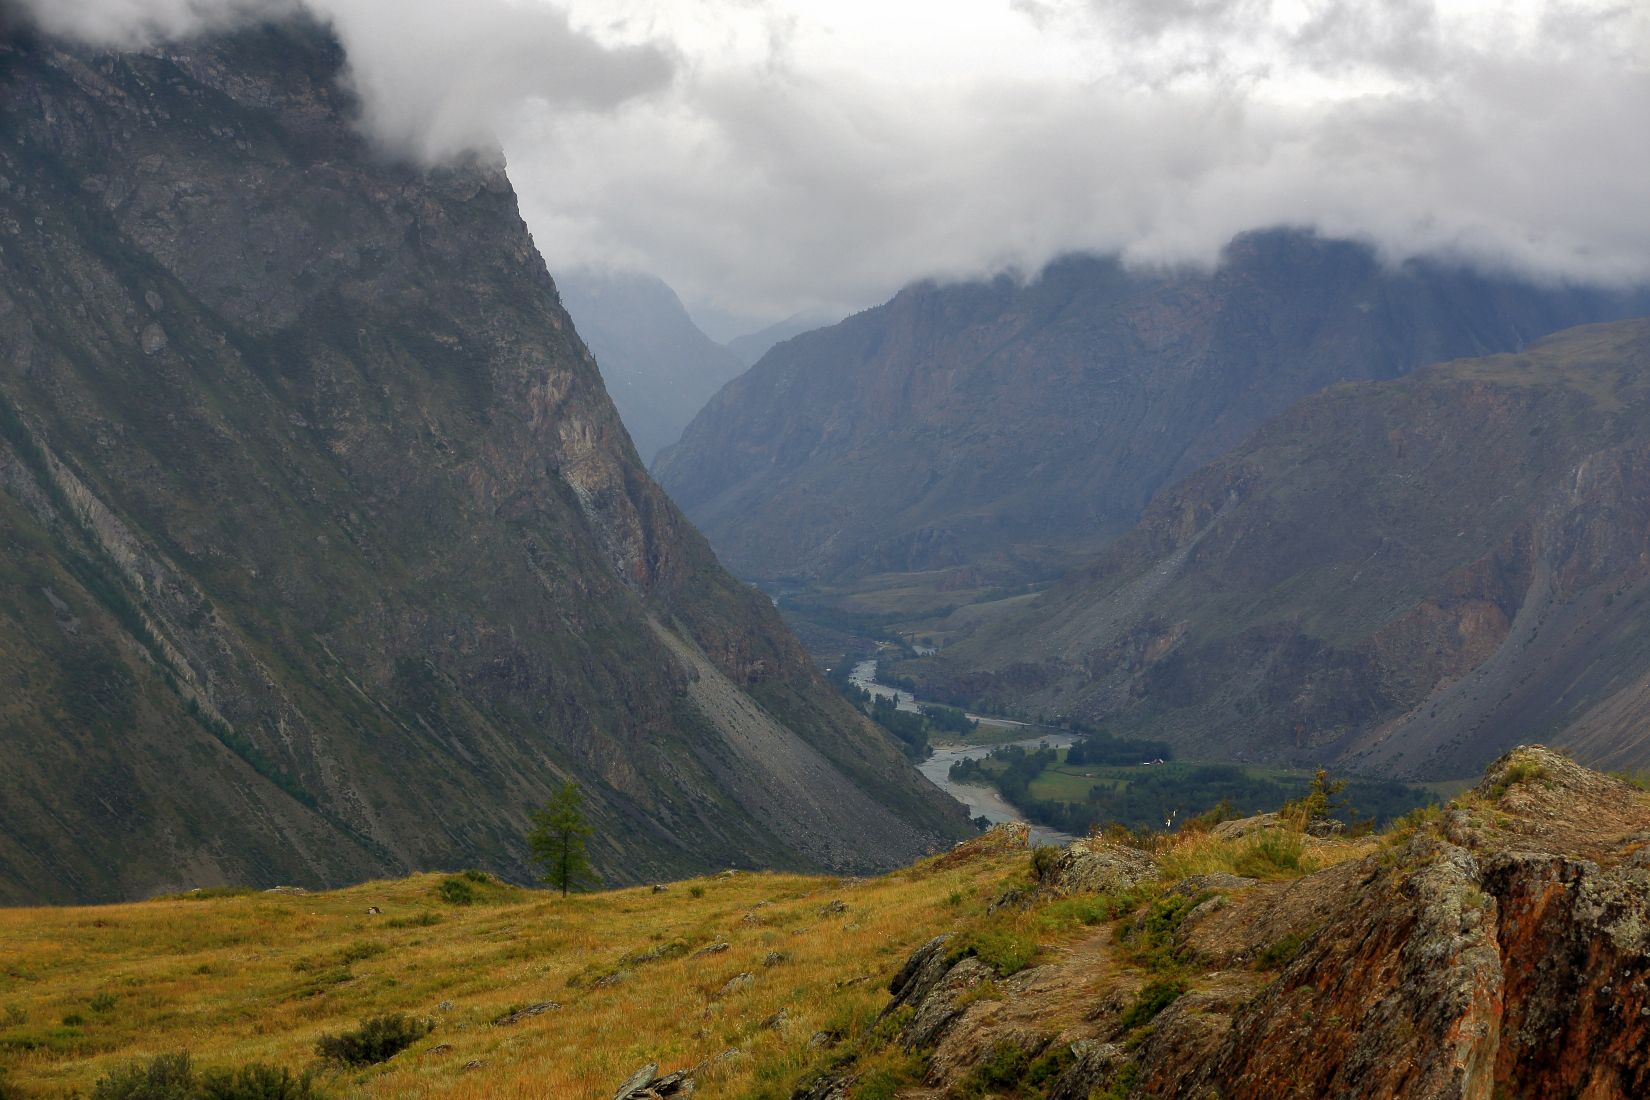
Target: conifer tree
(557,841)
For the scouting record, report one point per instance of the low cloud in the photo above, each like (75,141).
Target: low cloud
(437,78)
(804,167)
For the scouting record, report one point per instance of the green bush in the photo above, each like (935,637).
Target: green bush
(1152,1000)
(457,891)
(1150,940)
(417,920)
(376,1040)
(1276,955)
(173,1077)
(1269,854)
(1006,950)
(103,1002)
(1520,771)
(1043,859)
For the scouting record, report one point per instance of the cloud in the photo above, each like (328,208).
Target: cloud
(1510,136)
(437,78)
(134,23)
(770,156)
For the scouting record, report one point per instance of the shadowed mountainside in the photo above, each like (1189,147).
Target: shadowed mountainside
(658,367)
(324,554)
(1010,426)
(1404,577)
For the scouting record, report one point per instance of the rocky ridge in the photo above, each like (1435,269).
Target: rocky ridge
(988,431)
(323,552)
(1499,948)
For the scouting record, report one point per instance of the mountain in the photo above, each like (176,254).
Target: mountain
(1006,428)
(324,554)
(659,368)
(752,346)
(1493,948)
(1405,576)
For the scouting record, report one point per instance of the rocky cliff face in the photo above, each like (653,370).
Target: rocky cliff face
(657,365)
(1407,576)
(1498,950)
(324,552)
(1000,425)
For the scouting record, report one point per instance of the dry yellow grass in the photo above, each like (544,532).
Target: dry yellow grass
(259,977)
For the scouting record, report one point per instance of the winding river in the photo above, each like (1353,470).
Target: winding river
(980,801)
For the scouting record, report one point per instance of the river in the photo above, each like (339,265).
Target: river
(981,801)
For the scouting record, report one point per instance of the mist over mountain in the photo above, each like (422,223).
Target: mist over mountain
(752,346)
(325,554)
(658,367)
(991,432)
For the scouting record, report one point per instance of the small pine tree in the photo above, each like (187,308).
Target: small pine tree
(557,841)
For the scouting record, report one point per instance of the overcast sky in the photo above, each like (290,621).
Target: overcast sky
(769,156)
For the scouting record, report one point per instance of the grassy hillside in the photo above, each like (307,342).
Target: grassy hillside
(1114,967)
(259,977)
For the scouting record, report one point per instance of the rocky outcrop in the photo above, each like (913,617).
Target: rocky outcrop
(325,552)
(1501,951)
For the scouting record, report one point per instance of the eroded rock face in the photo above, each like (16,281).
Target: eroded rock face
(352,558)
(1504,952)
(1094,866)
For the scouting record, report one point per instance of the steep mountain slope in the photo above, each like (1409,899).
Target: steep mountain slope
(957,424)
(1405,576)
(752,346)
(324,552)
(658,367)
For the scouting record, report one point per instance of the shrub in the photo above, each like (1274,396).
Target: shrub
(417,920)
(1519,771)
(1269,854)
(1004,1065)
(1043,859)
(103,1002)
(1152,1000)
(1006,950)
(1122,1083)
(1275,955)
(257,1082)
(473,875)
(173,1077)
(1316,805)
(457,891)
(73,1019)
(1151,940)
(376,1040)
(696,891)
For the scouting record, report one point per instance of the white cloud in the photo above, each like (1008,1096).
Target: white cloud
(776,155)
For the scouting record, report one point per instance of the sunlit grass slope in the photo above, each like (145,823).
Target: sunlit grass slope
(258,977)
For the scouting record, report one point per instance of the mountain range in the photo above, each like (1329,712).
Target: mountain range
(1406,577)
(324,553)
(993,433)
(657,366)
